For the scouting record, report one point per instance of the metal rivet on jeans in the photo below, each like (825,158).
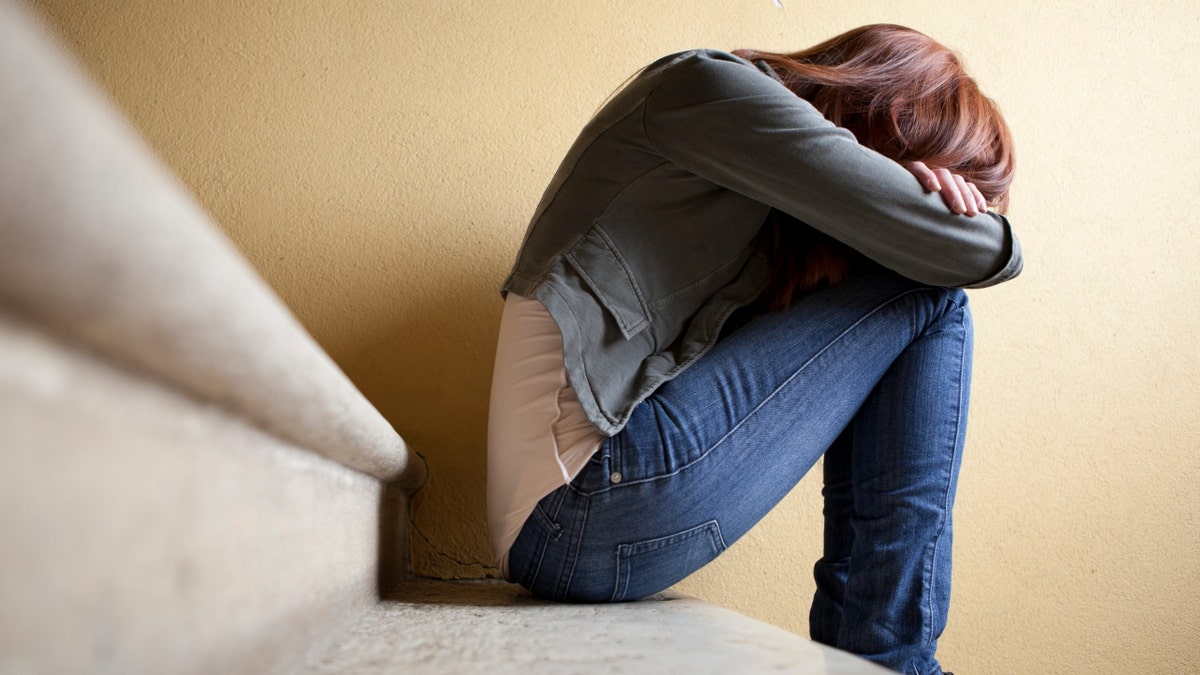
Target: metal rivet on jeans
(615,477)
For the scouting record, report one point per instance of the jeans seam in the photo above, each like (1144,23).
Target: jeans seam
(621,578)
(959,429)
(769,397)
(575,541)
(531,574)
(544,538)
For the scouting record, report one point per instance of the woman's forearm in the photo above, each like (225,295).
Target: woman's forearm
(724,120)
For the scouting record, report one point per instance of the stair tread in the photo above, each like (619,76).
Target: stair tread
(494,627)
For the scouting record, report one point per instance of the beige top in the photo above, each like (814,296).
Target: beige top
(538,435)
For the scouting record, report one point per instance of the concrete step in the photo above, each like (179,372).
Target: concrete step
(145,531)
(494,628)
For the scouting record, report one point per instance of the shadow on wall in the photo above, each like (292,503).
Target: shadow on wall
(428,369)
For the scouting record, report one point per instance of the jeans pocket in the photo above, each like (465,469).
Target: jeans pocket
(649,566)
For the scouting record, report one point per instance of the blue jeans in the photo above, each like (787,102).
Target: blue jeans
(874,374)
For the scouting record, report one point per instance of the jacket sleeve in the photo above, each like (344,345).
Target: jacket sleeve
(720,118)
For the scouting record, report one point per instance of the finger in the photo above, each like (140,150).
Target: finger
(970,206)
(950,191)
(979,198)
(924,175)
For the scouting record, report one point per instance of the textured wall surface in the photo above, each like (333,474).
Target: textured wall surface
(378,162)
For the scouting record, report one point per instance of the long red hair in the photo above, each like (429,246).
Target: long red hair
(907,97)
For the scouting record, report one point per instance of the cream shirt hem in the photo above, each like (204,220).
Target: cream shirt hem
(539,437)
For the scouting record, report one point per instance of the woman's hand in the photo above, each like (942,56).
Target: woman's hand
(961,196)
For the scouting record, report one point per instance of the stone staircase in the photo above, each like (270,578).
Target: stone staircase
(488,628)
(189,484)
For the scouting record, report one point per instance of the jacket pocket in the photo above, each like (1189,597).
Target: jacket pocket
(610,278)
(647,567)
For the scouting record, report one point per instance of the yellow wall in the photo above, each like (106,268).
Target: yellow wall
(378,161)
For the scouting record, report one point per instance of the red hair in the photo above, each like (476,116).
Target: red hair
(909,98)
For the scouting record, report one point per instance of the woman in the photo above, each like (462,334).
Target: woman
(639,426)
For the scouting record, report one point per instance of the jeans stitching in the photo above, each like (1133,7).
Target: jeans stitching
(549,527)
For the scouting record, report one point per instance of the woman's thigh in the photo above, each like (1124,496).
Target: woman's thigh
(712,451)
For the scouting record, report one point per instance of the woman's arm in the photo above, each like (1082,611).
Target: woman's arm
(722,119)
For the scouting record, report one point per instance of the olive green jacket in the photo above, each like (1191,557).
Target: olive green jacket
(645,240)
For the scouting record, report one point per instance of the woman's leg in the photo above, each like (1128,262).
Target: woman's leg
(712,451)
(830,572)
(883,583)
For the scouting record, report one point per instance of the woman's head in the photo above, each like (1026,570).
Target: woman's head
(906,96)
